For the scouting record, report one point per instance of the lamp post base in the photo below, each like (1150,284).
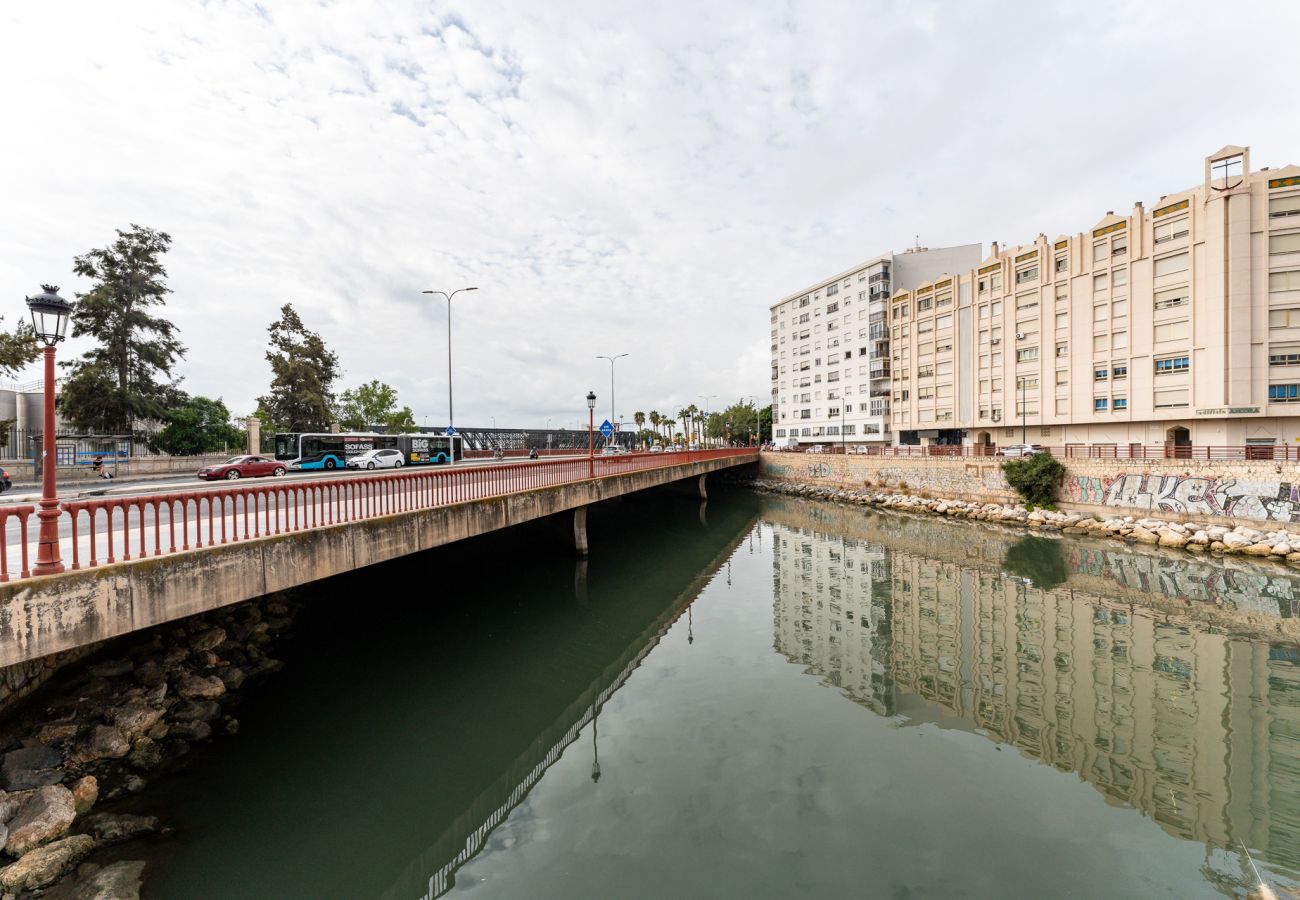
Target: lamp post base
(48,561)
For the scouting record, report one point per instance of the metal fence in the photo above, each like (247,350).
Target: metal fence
(105,530)
(1279,452)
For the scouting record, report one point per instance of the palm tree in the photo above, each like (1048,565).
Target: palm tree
(655,419)
(670,424)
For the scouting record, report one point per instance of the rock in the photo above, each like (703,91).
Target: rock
(111,668)
(200,687)
(46,815)
(85,791)
(10,804)
(1200,537)
(1281,548)
(159,731)
(45,865)
(191,731)
(150,674)
(230,725)
(134,718)
(232,677)
(1234,541)
(1260,549)
(1173,539)
(103,742)
(131,784)
(1218,545)
(118,881)
(145,755)
(57,732)
(208,638)
(195,711)
(113,828)
(30,767)
(1142,536)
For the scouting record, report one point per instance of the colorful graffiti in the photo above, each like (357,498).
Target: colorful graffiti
(1189,495)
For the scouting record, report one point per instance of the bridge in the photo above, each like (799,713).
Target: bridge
(139,561)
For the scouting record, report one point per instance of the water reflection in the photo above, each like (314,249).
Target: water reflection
(1121,667)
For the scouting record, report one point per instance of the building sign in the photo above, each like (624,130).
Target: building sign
(1170,209)
(1230,411)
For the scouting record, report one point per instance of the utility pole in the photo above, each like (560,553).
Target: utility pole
(450,420)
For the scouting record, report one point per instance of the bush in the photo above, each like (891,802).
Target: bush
(1036,478)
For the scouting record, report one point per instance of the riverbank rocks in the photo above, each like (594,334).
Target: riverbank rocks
(114,828)
(1281,545)
(45,865)
(30,767)
(103,742)
(47,814)
(200,687)
(85,791)
(121,880)
(134,719)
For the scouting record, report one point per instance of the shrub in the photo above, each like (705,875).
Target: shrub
(1035,478)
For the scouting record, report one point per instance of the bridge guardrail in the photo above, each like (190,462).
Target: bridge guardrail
(111,529)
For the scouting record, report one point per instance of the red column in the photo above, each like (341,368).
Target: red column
(591,444)
(48,561)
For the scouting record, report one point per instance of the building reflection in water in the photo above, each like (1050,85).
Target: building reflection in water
(1157,709)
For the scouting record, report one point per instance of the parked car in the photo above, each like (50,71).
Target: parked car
(816,448)
(377,459)
(1019,450)
(657,448)
(243,467)
(612,450)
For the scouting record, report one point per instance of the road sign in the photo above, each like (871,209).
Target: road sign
(606,429)
(451,432)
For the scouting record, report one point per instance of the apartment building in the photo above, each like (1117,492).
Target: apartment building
(830,347)
(1177,325)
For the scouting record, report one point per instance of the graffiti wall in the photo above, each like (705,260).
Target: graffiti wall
(1187,494)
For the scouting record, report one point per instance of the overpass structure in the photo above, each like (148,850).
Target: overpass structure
(139,561)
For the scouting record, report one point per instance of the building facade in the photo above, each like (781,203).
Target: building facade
(831,374)
(1178,325)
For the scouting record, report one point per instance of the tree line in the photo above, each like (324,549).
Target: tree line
(126,382)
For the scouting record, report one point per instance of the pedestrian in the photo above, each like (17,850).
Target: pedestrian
(98,467)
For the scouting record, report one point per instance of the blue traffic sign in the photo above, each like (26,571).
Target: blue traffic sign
(451,432)
(606,429)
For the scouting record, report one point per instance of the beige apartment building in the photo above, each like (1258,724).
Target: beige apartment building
(831,353)
(1175,325)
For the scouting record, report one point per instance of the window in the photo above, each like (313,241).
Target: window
(1100,342)
(1171,231)
(1100,374)
(1119,277)
(924,371)
(1100,313)
(1119,309)
(1027,301)
(1062,291)
(1119,246)
(1062,407)
(1172,331)
(1024,276)
(1119,371)
(1100,404)
(832,290)
(1174,297)
(1281,207)
(1099,282)
(1284,318)
(1120,403)
(1062,263)
(1284,393)
(1171,364)
(1062,350)
(1176,397)
(1100,252)
(1062,377)
(924,303)
(1228,167)
(1027,354)
(1026,384)
(1167,265)
(1062,321)
(942,322)
(1286,355)
(925,327)
(1284,281)
(832,307)
(1284,243)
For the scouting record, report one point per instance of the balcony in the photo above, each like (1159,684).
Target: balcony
(879,372)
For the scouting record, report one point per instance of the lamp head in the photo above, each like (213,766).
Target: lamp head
(591,399)
(50,315)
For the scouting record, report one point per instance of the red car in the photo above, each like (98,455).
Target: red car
(243,467)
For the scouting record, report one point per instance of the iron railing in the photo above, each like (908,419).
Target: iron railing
(105,530)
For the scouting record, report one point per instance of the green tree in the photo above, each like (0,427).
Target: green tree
(198,425)
(365,407)
(127,377)
(1036,478)
(401,421)
(656,420)
(303,372)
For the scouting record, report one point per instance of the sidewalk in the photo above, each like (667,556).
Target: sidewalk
(30,492)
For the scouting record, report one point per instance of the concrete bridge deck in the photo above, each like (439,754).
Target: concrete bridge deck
(135,562)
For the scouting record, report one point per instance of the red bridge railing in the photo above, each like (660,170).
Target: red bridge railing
(1279,452)
(111,529)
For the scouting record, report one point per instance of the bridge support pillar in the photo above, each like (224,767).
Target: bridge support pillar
(580,531)
(703,488)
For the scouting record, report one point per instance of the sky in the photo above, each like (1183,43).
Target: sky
(613,177)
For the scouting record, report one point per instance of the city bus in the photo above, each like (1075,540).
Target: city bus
(332,451)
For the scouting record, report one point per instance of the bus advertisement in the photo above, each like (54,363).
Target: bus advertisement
(332,451)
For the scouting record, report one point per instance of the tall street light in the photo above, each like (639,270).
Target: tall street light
(50,314)
(450,419)
(706,398)
(591,436)
(611,382)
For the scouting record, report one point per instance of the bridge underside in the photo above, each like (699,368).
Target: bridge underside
(63,612)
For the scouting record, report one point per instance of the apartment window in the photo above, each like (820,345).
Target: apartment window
(1284,318)
(1171,231)
(1100,404)
(1100,342)
(943,367)
(1284,356)
(924,303)
(942,301)
(944,348)
(1175,397)
(1284,281)
(903,395)
(984,312)
(1028,408)
(1027,301)
(1168,265)
(995,281)
(1062,407)
(942,322)
(925,327)
(1119,340)
(833,413)
(1284,243)
(1281,207)
(1100,252)
(1026,384)
(832,307)
(1284,393)
(1119,371)
(1100,374)
(832,290)
(1171,364)
(1062,263)
(1173,331)
(996,308)
(1062,321)
(1119,277)
(1099,282)
(1023,276)
(1120,403)
(803,318)
(1062,291)
(1062,350)
(1119,309)
(1174,297)
(1100,313)
(1027,354)
(924,371)
(1119,246)
(1062,377)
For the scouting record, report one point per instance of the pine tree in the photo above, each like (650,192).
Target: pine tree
(303,372)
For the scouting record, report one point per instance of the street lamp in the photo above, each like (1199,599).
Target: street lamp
(706,398)
(611,382)
(591,439)
(450,419)
(50,314)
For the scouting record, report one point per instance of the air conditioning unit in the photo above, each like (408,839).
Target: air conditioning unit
(1020,335)
(996,341)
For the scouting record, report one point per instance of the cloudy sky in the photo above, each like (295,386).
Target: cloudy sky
(614,177)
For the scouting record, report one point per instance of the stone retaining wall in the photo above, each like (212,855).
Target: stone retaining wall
(1226,491)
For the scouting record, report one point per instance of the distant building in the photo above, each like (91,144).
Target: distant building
(831,347)
(1178,325)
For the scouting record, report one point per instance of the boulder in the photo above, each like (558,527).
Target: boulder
(200,687)
(1260,549)
(85,791)
(103,742)
(195,711)
(47,814)
(208,638)
(57,732)
(145,755)
(10,804)
(1169,538)
(30,767)
(1281,548)
(114,828)
(150,674)
(45,865)
(134,719)
(118,881)
(1142,536)
(1234,541)
(191,731)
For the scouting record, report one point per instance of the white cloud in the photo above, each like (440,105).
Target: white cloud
(614,177)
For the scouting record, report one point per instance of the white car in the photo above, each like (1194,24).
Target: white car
(612,450)
(377,459)
(1019,450)
(657,448)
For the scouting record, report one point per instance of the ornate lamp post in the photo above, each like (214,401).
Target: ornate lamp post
(50,314)
(591,434)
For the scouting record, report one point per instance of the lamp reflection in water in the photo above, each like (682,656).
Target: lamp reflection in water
(595,748)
